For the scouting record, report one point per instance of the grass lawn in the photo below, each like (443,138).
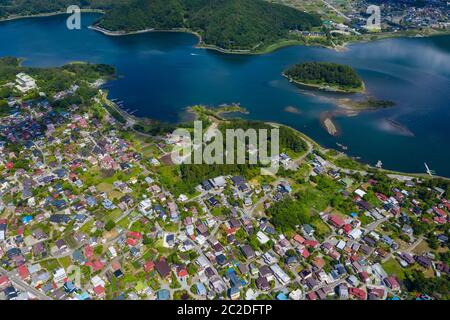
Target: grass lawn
(86,228)
(322,229)
(124,223)
(65,262)
(365,219)
(105,187)
(421,248)
(114,194)
(392,267)
(50,264)
(113,215)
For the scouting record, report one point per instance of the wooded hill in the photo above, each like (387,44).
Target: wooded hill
(228,24)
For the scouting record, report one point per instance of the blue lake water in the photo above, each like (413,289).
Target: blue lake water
(160,74)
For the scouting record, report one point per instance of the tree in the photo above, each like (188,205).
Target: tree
(110,224)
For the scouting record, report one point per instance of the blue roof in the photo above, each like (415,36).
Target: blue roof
(282,296)
(163,294)
(27,219)
(201,290)
(84,296)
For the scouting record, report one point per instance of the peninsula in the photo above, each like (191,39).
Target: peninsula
(325,76)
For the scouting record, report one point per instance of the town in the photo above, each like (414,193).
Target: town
(91,208)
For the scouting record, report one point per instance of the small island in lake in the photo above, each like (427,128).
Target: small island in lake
(325,76)
(369,103)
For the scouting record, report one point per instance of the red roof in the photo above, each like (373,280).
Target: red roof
(132,242)
(149,266)
(311,296)
(440,220)
(358,293)
(305,253)
(135,235)
(311,243)
(364,276)
(88,252)
(392,283)
(99,290)
(183,273)
(347,228)
(439,212)
(4,280)
(381,197)
(23,272)
(336,221)
(115,265)
(298,238)
(96,265)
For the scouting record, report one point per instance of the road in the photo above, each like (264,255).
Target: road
(23,286)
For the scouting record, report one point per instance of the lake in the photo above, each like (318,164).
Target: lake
(160,74)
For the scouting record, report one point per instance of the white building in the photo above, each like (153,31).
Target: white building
(25,83)
(262,238)
(281,276)
(296,295)
(145,206)
(59,275)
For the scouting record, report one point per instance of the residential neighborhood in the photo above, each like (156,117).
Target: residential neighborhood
(90,211)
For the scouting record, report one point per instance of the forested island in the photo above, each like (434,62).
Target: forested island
(325,76)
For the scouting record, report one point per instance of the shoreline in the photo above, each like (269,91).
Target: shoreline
(49,14)
(282,43)
(323,149)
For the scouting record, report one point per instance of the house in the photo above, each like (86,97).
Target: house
(59,275)
(392,283)
(357,293)
(99,291)
(163,268)
(163,294)
(266,272)
(234,293)
(149,266)
(25,83)
(280,275)
(248,251)
(4,282)
(201,289)
(423,261)
(262,238)
(336,221)
(308,230)
(23,272)
(262,283)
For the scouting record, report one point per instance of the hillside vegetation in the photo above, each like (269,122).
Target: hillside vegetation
(228,24)
(34,7)
(248,25)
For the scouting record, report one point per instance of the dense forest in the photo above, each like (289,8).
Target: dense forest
(228,24)
(289,213)
(325,73)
